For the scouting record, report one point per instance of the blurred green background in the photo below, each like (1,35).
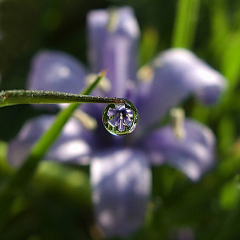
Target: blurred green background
(56,205)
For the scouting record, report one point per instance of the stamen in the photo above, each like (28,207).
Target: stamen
(86,120)
(145,73)
(104,85)
(113,20)
(178,116)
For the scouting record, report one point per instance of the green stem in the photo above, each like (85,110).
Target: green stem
(13,97)
(185,23)
(27,170)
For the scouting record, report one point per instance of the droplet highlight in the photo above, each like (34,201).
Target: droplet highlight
(120,118)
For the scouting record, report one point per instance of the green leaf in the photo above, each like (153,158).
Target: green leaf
(229,195)
(185,23)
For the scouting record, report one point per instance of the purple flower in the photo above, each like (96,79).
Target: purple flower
(120,166)
(121,116)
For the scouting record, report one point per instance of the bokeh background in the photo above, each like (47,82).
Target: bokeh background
(56,204)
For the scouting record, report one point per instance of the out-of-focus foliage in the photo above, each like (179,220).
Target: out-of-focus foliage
(56,205)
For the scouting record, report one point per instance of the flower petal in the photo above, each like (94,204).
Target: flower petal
(114,121)
(112,112)
(121,182)
(193,155)
(56,71)
(128,122)
(113,36)
(176,74)
(70,146)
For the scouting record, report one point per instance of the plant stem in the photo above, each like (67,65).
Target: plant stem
(185,23)
(13,97)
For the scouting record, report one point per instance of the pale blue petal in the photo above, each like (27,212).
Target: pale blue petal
(128,122)
(112,112)
(114,121)
(176,74)
(193,155)
(121,182)
(73,145)
(56,71)
(112,37)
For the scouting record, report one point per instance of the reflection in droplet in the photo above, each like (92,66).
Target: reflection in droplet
(120,118)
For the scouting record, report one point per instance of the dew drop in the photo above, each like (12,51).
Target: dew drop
(120,118)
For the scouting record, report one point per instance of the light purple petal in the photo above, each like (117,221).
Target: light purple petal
(114,121)
(128,122)
(113,36)
(193,155)
(129,112)
(56,71)
(112,112)
(121,182)
(177,73)
(73,144)
(120,107)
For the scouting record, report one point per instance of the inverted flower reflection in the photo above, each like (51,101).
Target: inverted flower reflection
(120,166)
(120,117)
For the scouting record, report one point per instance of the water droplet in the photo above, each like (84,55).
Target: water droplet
(120,118)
